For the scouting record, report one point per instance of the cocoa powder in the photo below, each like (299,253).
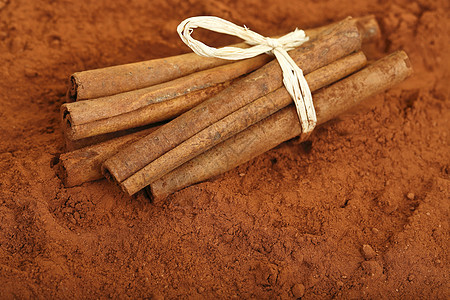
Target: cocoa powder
(290,223)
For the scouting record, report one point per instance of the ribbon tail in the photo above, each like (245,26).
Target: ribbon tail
(298,88)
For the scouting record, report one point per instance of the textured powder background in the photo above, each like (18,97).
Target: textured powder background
(291,223)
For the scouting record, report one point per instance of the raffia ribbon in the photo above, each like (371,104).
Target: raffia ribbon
(293,78)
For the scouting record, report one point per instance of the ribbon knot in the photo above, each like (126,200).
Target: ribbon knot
(293,78)
(273,43)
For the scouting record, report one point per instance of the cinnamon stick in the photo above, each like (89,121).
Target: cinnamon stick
(284,125)
(238,121)
(164,101)
(72,165)
(84,165)
(71,145)
(88,118)
(340,41)
(123,78)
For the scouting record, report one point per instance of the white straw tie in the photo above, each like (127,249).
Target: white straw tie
(293,78)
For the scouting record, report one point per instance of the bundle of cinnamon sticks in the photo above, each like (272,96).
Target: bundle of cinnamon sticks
(221,114)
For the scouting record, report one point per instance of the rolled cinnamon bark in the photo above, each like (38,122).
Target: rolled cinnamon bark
(89,118)
(72,145)
(73,165)
(238,121)
(340,41)
(284,125)
(123,78)
(84,165)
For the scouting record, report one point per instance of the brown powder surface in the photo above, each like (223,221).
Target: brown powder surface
(294,222)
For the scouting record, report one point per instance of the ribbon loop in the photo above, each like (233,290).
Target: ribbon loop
(293,78)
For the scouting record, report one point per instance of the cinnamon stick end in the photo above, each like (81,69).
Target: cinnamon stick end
(66,122)
(149,194)
(72,92)
(155,193)
(369,28)
(401,55)
(129,187)
(406,60)
(60,170)
(109,175)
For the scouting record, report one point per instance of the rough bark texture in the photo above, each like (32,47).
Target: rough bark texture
(236,122)
(84,164)
(89,118)
(284,125)
(72,165)
(340,41)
